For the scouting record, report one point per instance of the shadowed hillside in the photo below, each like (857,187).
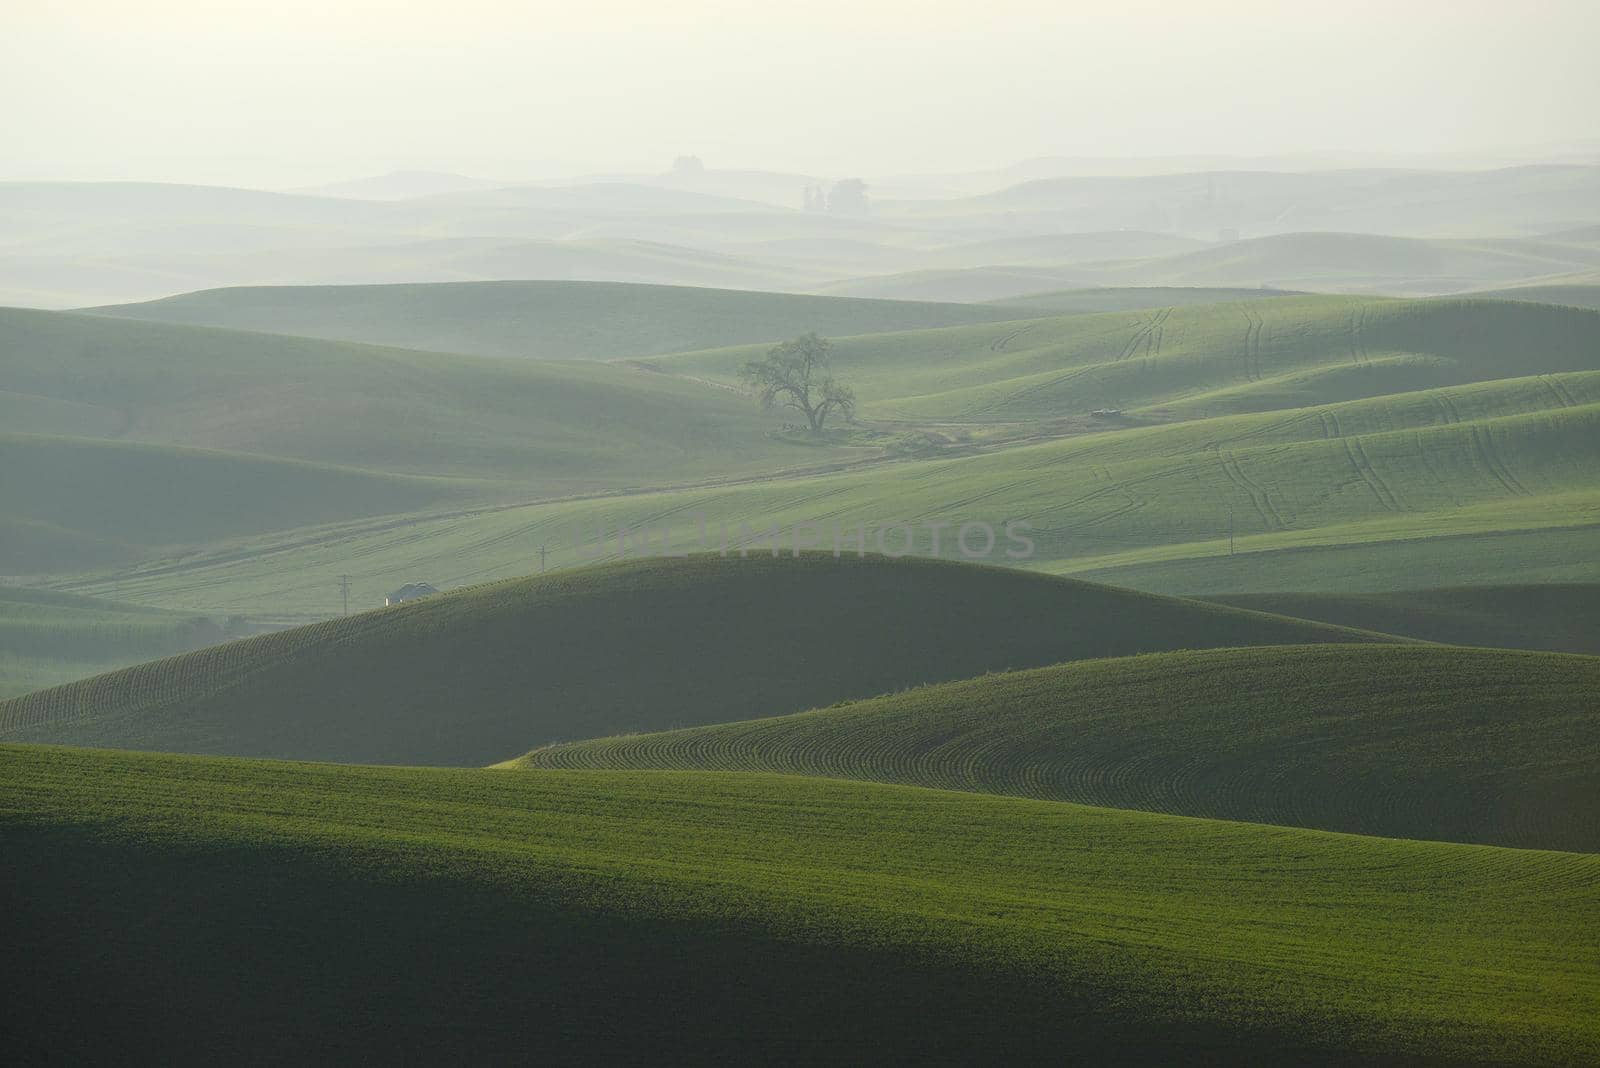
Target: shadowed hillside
(485,673)
(1560,618)
(127,499)
(205,908)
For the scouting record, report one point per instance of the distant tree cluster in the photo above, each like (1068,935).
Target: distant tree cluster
(796,375)
(847,197)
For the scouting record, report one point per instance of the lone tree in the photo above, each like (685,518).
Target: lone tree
(849,197)
(795,375)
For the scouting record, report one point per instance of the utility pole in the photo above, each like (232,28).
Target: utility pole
(1230,528)
(541,559)
(344,592)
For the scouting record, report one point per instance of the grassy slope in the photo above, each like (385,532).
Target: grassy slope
(1321,261)
(394,410)
(1464,745)
(1367,261)
(1126,298)
(1472,453)
(496,429)
(1548,540)
(1051,249)
(1576,296)
(48,638)
(483,674)
(1523,199)
(76,243)
(963,285)
(1561,618)
(1488,483)
(288,910)
(141,496)
(546,319)
(617,261)
(1198,361)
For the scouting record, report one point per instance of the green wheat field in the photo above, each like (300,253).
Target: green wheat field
(1274,739)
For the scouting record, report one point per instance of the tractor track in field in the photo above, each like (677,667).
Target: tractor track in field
(1146,337)
(1266,498)
(1142,337)
(1452,413)
(1002,343)
(1427,465)
(1359,351)
(1493,463)
(1365,475)
(1228,465)
(1267,430)
(1559,388)
(1384,492)
(1158,332)
(1251,355)
(1040,387)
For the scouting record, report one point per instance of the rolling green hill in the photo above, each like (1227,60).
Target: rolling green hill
(1485,484)
(1346,261)
(1197,361)
(48,638)
(963,285)
(544,320)
(1056,249)
(394,410)
(366,259)
(1329,262)
(1129,298)
(1577,296)
(483,674)
(1484,746)
(1560,618)
(1293,444)
(207,908)
(1416,203)
(587,261)
(604,197)
(76,243)
(200,433)
(130,500)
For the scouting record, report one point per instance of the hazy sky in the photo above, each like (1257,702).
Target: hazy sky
(296,91)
